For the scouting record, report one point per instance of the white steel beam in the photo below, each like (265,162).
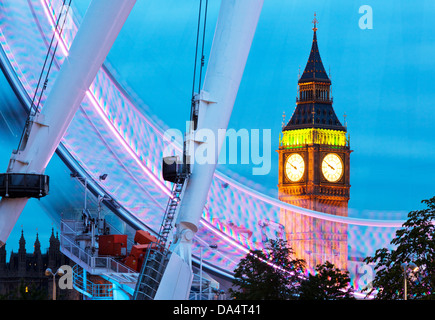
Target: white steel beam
(97,33)
(232,41)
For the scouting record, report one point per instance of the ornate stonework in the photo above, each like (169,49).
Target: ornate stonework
(320,181)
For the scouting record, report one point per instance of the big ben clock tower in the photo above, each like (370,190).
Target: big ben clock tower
(314,169)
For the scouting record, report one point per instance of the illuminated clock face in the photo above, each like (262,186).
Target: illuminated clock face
(332,167)
(294,167)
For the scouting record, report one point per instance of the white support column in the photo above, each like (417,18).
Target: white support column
(234,33)
(93,41)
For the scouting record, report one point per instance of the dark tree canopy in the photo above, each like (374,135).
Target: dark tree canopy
(328,283)
(414,242)
(272,274)
(275,274)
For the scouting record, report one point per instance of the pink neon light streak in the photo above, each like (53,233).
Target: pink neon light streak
(59,38)
(121,134)
(127,147)
(103,115)
(255,194)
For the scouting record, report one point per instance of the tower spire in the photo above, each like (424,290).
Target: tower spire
(22,241)
(314,70)
(314,101)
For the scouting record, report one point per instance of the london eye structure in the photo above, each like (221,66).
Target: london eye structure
(115,149)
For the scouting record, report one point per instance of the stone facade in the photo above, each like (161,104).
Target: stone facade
(23,276)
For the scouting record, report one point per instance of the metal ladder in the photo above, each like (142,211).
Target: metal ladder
(151,274)
(158,255)
(171,207)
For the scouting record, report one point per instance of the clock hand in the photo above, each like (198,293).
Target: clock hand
(330,166)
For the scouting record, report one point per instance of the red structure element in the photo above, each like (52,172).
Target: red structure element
(144,237)
(113,245)
(138,251)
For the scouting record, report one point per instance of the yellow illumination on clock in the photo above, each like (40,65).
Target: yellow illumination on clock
(294,167)
(301,137)
(332,167)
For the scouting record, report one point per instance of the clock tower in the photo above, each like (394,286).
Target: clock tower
(314,156)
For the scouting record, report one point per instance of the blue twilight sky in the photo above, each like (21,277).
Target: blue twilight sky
(382,80)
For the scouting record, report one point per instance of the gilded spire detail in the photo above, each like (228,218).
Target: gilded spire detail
(315,22)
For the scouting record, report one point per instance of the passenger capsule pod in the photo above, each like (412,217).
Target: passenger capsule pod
(23,185)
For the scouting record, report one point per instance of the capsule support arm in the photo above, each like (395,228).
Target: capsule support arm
(97,33)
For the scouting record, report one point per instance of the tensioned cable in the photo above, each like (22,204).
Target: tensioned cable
(203,42)
(196,60)
(55,48)
(34,108)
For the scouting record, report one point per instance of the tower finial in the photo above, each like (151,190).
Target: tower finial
(283,119)
(315,22)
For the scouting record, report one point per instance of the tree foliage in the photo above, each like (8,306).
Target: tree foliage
(328,283)
(414,242)
(271,274)
(275,274)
